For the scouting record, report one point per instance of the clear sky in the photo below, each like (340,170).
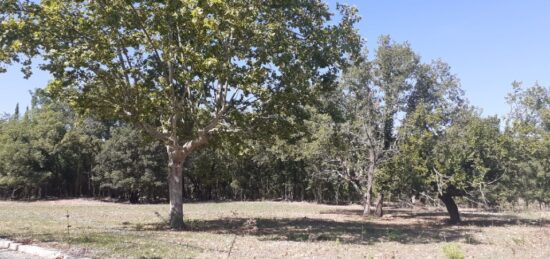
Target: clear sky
(488,44)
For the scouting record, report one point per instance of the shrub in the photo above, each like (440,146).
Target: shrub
(453,251)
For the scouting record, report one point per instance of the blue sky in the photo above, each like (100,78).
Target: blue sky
(488,44)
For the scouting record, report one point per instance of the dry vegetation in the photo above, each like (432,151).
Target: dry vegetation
(272,230)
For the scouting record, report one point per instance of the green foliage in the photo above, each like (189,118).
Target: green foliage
(182,66)
(127,166)
(392,104)
(453,251)
(29,147)
(528,145)
(469,156)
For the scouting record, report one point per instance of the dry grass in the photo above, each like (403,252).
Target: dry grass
(271,230)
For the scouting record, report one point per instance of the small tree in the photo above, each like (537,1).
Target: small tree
(460,158)
(431,108)
(182,70)
(374,92)
(468,158)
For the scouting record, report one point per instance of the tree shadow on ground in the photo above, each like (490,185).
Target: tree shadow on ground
(403,226)
(311,230)
(469,218)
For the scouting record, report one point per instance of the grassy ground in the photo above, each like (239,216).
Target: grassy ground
(271,230)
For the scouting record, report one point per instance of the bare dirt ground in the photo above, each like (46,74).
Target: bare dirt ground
(272,230)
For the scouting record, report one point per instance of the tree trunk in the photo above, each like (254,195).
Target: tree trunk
(379,204)
(370,183)
(175,187)
(452,209)
(366,201)
(134,197)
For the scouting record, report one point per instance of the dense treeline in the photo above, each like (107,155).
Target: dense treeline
(395,127)
(46,152)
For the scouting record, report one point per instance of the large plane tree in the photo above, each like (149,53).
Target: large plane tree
(181,70)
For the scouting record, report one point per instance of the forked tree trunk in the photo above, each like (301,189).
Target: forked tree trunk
(379,204)
(452,209)
(175,187)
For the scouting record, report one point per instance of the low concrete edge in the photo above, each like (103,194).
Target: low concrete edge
(35,250)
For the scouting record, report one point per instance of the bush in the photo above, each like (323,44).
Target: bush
(453,251)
